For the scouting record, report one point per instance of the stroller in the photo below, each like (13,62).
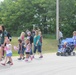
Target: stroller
(66,47)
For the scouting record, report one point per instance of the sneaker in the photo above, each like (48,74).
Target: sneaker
(11,63)
(23,58)
(0,59)
(41,57)
(32,56)
(3,64)
(8,62)
(19,58)
(26,60)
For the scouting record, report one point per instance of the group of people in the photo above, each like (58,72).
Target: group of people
(5,45)
(28,46)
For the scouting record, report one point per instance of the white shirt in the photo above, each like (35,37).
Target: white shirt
(9,46)
(60,34)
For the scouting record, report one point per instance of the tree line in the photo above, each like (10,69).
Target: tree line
(19,15)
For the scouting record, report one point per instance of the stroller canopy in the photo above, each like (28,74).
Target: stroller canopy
(68,40)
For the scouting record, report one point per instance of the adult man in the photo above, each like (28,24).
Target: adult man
(60,36)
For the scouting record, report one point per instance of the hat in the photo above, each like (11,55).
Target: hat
(28,32)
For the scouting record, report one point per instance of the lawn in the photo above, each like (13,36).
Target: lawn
(49,45)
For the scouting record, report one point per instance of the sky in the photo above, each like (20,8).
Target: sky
(1,0)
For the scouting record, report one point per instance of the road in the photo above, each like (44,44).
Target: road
(49,65)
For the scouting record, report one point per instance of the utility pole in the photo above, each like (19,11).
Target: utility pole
(57,19)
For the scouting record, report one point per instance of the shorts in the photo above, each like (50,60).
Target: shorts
(8,55)
(27,52)
(21,52)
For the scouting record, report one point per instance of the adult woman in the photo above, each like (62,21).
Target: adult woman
(3,36)
(37,43)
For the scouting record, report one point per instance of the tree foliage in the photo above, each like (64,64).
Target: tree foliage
(19,15)
(68,16)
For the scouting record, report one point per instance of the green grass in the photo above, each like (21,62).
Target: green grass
(49,45)
(48,36)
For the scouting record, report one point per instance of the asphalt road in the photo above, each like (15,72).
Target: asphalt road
(49,65)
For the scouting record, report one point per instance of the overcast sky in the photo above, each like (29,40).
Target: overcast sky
(1,0)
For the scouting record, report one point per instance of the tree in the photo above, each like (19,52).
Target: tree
(68,17)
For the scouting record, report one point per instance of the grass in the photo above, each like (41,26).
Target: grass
(49,45)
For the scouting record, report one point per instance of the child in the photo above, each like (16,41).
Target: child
(31,41)
(8,49)
(28,49)
(22,37)
(74,37)
(21,50)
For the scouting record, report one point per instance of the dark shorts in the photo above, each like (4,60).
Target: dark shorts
(21,52)
(27,52)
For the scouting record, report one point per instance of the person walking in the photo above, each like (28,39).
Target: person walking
(60,36)
(30,37)
(37,43)
(3,36)
(8,50)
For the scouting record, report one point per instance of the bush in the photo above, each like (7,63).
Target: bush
(50,36)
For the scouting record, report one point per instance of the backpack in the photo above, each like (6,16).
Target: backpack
(40,39)
(9,36)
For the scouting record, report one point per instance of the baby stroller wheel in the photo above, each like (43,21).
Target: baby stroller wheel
(69,54)
(58,54)
(65,54)
(73,53)
(62,54)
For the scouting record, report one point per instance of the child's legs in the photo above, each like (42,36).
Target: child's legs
(10,59)
(31,53)
(27,55)
(21,55)
(6,59)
